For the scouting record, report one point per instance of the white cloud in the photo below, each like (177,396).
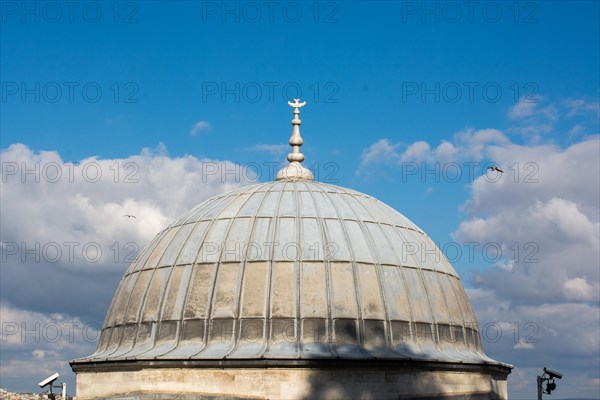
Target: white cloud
(544,292)
(415,152)
(553,221)
(447,151)
(523,344)
(550,112)
(200,126)
(529,109)
(534,130)
(545,205)
(380,152)
(580,106)
(575,131)
(43,354)
(525,107)
(467,145)
(533,120)
(53,228)
(50,215)
(562,336)
(474,145)
(579,289)
(35,345)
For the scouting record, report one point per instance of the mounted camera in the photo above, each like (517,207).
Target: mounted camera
(49,381)
(553,374)
(548,376)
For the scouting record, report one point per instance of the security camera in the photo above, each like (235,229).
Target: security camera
(48,381)
(553,374)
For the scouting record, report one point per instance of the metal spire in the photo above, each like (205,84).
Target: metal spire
(294,170)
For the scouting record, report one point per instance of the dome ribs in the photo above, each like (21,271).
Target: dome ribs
(290,270)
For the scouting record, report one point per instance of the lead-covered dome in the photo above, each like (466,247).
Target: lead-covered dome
(290,289)
(292,269)
(289,273)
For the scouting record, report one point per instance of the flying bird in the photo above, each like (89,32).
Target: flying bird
(495,169)
(129,216)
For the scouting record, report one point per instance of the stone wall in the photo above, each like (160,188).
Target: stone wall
(287,383)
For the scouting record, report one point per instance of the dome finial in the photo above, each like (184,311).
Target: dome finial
(294,170)
(296,139)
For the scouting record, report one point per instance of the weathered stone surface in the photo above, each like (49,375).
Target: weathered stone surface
(190,383)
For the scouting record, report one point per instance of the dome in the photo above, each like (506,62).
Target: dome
(290,289)
(290,270)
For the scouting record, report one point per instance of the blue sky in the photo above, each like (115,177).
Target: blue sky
(382,80)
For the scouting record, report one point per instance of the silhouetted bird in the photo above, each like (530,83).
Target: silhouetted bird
(496,169)
(129,216)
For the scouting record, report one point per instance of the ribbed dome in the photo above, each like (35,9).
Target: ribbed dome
(290,270)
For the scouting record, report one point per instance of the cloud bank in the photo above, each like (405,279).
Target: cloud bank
(66,242)
(539,305)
